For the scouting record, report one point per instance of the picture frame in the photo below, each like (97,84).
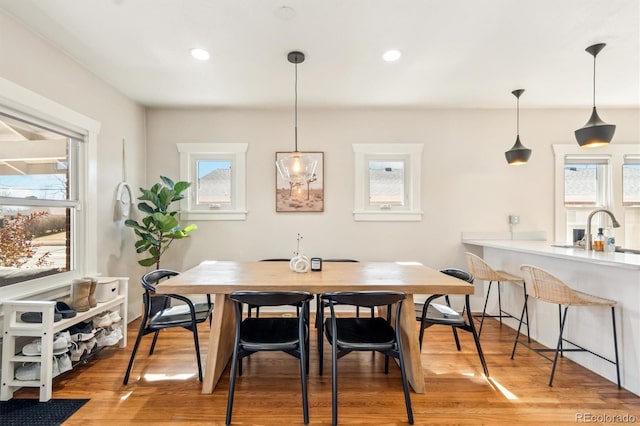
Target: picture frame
(307,198)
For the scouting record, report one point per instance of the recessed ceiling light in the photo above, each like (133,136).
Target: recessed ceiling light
(200,54)
(391,55)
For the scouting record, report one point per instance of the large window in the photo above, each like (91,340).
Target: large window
(45,210)
(387,182)
(217,175)
(599,178)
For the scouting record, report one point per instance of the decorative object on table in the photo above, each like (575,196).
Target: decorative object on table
(518,154)
(298,181)
(31,412)
(595,132)
(160,226)
(299,262)
(316,264)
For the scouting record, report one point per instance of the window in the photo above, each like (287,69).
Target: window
(586,180)
(217,175)
(387,182)
(47,215)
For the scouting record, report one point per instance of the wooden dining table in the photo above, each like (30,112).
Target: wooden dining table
(221,278)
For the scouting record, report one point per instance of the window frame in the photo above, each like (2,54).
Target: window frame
(411,154)
(613,200)
(236,153)
(23,103)
(629,159)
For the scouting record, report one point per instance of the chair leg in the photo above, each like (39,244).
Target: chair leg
(559,346)
(197,346)
(153,343)
(484,309)
(453,329)
(320,327)
(524,310)
(334,385)
(499,305)
(133,353)
(560,324)
(232,384)
(405,384)
(476,337)
(304,368)
(615,344)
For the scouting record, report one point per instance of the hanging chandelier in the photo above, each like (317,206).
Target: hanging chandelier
(296,168)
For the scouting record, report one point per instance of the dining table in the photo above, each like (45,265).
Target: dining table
(221,278)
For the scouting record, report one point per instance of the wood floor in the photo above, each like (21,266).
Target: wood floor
(164,389)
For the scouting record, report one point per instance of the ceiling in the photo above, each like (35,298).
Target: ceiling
(456,54)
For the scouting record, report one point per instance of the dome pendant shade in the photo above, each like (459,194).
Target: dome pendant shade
(518,154)
(595,132)
(296,168)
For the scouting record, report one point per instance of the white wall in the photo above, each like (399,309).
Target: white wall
(466,182)
(29,61)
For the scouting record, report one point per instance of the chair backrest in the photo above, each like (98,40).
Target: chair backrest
(151,278)
(271,298)
(365,298)
(546,286)
(480,269)
(458,273)
(278,259)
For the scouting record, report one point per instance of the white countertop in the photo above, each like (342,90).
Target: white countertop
(545,248)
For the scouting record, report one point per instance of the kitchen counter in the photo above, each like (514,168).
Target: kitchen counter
(614,276)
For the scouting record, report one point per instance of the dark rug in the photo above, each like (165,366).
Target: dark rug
(31,412)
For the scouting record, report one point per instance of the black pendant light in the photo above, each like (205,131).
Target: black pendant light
(518,154)
(595,132)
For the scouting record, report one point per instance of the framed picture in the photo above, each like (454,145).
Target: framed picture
(304,197)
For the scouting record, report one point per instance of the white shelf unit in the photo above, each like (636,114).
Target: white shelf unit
(15,329)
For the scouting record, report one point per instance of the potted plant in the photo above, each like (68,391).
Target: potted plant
(160,226)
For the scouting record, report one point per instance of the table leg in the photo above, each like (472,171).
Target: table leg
(221,337)
(411,347)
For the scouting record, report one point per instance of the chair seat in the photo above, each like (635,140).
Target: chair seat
(369,333)
(176,315)
(436,317)
(266,334)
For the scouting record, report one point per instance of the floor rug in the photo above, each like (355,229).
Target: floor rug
(31,412)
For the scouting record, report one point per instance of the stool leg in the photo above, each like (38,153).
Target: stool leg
(615,344)
(484,309)
(559,346)
(499,305)
(560,323)
(524,310)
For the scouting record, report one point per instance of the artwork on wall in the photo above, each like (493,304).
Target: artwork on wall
(301,197)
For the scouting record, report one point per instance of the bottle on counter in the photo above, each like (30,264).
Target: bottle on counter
(598,241)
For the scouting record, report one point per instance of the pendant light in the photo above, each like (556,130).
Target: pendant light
(595,132)
(518,154)
(296,168)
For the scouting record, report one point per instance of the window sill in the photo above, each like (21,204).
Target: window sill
(387,216)
(214,215)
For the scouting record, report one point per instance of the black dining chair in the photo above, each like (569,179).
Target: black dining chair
(286,334)
(320,308)
(348,334)
(158,314)
(430,313)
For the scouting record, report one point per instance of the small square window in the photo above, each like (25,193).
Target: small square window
(631,181)
(218,177)
(387,182)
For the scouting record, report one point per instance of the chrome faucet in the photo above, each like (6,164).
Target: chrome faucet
(587,232)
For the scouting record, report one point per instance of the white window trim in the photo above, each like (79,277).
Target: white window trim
(235,151)
(17,98)
(615,151)
(413,210)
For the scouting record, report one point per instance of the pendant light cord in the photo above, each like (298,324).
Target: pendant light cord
(594,81)
(518,116)
(296,108)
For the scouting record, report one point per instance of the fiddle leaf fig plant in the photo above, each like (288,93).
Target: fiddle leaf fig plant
(160,227)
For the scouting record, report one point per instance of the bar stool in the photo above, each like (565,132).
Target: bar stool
(551,289)
(482,271)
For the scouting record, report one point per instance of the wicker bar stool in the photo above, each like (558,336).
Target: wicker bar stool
(551,289)
(482,271)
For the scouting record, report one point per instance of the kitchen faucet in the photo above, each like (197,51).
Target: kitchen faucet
(587,233)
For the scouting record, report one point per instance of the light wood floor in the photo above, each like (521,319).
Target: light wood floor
(163,389)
